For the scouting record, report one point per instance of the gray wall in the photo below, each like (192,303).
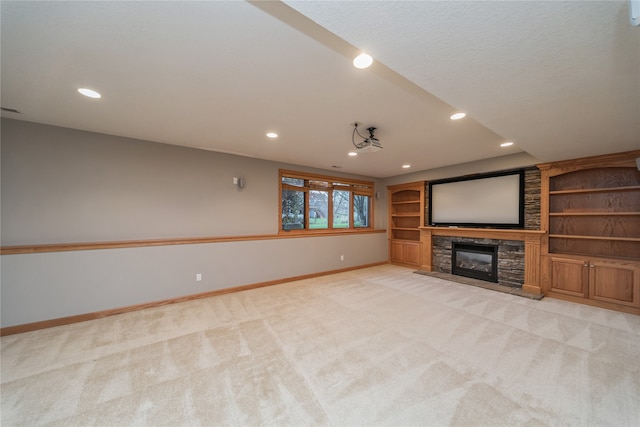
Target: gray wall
(63,186)
(52,285)
(66,186)
(512,161)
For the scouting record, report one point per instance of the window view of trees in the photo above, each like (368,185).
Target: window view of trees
(313,202)
(293,206)
(361,211)
(341,208)
(292,209)
(318,209)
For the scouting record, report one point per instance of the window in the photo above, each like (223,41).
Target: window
(316,203)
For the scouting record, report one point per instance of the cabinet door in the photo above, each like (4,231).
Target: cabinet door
(412,253)
(396,251)
(618,283)
(569,276)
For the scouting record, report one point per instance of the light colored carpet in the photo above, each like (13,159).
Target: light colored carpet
(380,346)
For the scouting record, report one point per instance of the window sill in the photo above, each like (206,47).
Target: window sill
(332,232)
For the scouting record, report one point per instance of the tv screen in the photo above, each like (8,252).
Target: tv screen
(487,200)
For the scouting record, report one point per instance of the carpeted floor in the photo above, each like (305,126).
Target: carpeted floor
(480,283)
(379,346)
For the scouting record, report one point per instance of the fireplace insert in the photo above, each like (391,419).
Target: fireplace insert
(476,261)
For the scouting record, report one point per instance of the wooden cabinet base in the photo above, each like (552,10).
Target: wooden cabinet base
(611,284)
(569,276)
(404,253)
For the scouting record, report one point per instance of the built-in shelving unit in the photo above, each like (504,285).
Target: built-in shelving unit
(591,211)
(406,215)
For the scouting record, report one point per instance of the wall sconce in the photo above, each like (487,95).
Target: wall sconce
(239,182)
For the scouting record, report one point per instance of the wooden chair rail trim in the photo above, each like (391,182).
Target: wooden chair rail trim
(28,327)
(65,247)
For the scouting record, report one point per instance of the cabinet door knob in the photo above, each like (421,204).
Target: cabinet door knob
(586,264)
(591,265)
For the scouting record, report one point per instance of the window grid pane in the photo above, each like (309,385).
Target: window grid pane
(293,181)
(361,211)
(341,209)
(293,209)
(312,202)
(318,209)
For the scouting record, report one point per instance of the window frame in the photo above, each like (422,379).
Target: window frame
(325,183)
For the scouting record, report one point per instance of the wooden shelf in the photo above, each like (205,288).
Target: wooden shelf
(406,215)
(593,213)
(595,190)
(409,202)
(617,239)
(590,208)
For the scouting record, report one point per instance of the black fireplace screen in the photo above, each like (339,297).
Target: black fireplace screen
(475,261)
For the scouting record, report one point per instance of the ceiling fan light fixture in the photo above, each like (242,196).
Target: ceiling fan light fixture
(362,61)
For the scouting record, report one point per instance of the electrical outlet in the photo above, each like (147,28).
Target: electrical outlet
(341,257)
(198,277)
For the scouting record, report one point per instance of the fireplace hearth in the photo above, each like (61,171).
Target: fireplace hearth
(476,261)
(518,252)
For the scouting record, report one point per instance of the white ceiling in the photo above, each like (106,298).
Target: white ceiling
(561,79)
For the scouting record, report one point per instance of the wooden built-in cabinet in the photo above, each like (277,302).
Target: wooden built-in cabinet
(611,282)
(591,211)
(406,215)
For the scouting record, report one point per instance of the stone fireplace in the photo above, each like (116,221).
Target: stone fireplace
(518,253)
(509,259)
(475,261)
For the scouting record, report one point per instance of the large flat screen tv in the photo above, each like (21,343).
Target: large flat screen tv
(492,200)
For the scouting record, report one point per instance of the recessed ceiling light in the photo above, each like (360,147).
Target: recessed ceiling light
(506,144)
(457,116)
(352,153)
(362,61)
(89,92)
(406,166)
(272,135)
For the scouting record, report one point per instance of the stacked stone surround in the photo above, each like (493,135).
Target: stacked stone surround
(532,199)
(510,252)
(510,257)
